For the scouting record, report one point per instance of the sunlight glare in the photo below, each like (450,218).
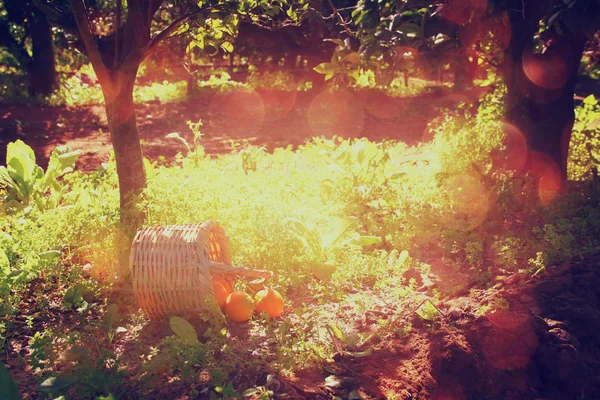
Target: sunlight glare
(238,114)
(378,104)
(549,184)
(277,103)
(336,113)
(468,197)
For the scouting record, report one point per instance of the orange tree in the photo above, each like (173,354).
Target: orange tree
(23,25)
(206,24)
(536,45)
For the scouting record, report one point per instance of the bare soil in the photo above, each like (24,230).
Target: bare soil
(270,118)
(544,345)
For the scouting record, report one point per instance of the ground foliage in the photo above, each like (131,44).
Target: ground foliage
(351,228)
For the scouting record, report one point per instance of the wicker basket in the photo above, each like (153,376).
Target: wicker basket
(171,267)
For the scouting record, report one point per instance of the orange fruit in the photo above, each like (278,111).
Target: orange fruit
(224,282)
(221,292)
(269,301)
(239,307)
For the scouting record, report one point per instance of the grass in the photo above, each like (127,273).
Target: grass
(398,208)
(79,88)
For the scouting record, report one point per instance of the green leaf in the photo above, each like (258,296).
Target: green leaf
(353,58)
(337,332)
(354,395)
(109,397)
(361,354)
(73,296)
(56,383)
(4,263)
(594,124)
(251,392)
(184,330)
(590,100)
(20,160)
(351,341)
(343,229)
(5,178)
(403,257)
(7,309)
(8,388)
(292,14)
(175,135)
(366,240)
(149,168)
(339,42)
(226,46)
(409,28)
(322,272)
(62,161)
(325,68)
(17,272)
(110,316)
(49,255)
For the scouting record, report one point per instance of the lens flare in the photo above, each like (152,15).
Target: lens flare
(512,341)
(277,103)
(536,93)
(496,30)
(237,114)
(548,174)
(469,199)
(378,104)
(462,11)
(336,113)
(514,156)
(549,70)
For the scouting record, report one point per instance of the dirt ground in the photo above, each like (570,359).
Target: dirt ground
(267,118)
(544,344)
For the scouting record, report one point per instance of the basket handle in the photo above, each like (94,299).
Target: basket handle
(241,272)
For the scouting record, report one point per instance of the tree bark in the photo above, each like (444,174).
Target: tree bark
(42,68)
(540,104)
(122,125)
(462,72)
(544,115)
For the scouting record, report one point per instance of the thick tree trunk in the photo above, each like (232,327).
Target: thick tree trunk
(544,115)
(42,69)
(540,87)
(123,129)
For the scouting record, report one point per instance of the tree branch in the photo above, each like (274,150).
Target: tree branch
(164,34)
(57,16)
(117,31)
(85,32)
(335,11)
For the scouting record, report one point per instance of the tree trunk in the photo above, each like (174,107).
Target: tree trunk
(541,110)
(42,69)
(462,72)
(122,125)
(540,87)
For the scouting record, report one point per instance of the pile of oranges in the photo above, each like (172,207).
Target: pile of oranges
(239,306)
